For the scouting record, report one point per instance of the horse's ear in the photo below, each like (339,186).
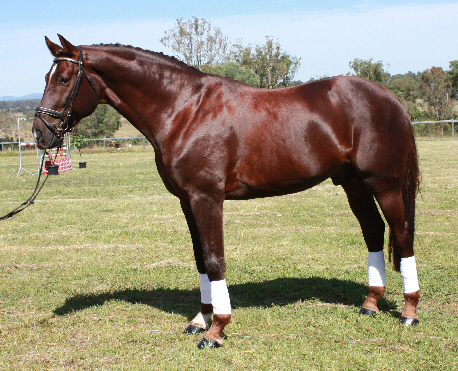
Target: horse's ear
(68,48)
(53,48)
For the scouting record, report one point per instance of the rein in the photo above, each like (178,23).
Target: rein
(34,195)
(65,118)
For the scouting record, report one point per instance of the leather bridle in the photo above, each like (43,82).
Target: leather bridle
(67,112)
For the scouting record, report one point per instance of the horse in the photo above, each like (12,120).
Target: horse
(217,139)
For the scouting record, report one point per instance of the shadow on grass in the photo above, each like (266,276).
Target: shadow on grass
(281,291)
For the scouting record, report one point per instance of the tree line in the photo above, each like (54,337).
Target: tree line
(428,95)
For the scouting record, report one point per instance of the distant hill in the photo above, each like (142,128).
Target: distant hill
(25,97)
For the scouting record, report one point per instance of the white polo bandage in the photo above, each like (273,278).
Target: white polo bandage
(376,268)
(409,275)
(220,297)
(205,289)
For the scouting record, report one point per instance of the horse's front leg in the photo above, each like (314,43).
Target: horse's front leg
(207,216)
(200,322)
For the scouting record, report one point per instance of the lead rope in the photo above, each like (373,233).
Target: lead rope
(34,195)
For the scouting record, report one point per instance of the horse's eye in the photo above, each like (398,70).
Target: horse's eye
(64,81)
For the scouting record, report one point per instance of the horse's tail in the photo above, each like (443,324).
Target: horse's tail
(409,193)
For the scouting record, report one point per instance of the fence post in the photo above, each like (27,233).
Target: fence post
(143,143)
(453,128)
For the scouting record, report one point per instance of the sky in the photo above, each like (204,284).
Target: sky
(327,34)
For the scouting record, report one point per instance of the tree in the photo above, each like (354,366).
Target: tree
(454,77)
(196,43)
(370,70)
(102,123)
(408,90)
(8,126)
(275,67)
(437,87)
(234,71)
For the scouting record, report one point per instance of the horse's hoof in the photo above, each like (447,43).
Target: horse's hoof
(367,312)
(191,329)
(408,321)
(208,343)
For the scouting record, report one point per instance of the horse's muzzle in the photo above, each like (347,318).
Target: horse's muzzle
(45,139)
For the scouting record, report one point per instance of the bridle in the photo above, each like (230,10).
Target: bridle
(65,117)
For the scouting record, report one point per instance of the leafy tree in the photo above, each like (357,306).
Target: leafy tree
(408,89)
(196,43)
(405,88)
(296,83)
(8,125)
(102,123)
(437,87)
(234,71)
(370,70)
(454,76)
(199,45)
(275,67)
(241,54)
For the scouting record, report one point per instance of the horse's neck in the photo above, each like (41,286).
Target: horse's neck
(147,105)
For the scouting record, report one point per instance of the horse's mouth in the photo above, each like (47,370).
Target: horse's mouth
(43,142)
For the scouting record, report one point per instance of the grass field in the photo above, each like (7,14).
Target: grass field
(99,275)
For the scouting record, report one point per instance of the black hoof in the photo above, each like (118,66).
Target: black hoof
(208,343)
(407,321)
(367,312)
(191,329)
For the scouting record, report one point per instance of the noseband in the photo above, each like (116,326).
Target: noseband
(65,118)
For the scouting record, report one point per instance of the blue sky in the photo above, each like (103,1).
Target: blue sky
(326,35)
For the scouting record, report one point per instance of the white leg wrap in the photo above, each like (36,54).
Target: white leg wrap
(376,268)
(220,297)
(409,275)
(205,289)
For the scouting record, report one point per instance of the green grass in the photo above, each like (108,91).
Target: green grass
(99,275)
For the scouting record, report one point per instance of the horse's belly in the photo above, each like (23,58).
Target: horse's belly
(270,184)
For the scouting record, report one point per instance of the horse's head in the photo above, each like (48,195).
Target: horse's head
(70,95)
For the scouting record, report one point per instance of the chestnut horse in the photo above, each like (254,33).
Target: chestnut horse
(217,139)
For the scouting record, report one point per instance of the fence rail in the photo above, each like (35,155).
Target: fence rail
(105,140)
(143,138)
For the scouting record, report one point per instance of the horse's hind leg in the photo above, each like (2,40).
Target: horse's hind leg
(400,216)
(363,205)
